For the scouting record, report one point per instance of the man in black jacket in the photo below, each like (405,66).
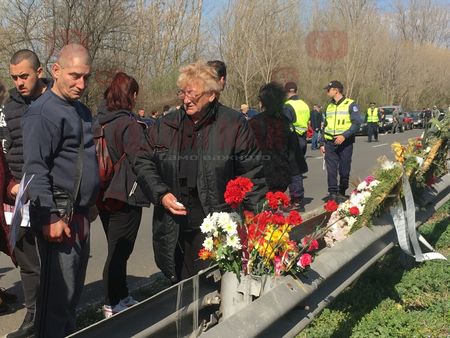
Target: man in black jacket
(26,72)
(59,153)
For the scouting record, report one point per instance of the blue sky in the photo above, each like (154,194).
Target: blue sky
(213,7)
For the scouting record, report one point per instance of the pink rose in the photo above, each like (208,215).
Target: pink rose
(304,261)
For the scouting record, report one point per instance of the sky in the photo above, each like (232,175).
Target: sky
(213,7)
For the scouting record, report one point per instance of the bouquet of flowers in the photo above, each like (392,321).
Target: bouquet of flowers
(257,244)
(345,215)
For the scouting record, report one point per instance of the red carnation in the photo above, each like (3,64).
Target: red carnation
(294,218)
(278,219)
(236,191)
(275,199)
(354,211)
(312,244)
(331,206)
(263,218)
(304,261)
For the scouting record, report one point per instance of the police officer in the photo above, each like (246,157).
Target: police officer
(298,114)
(342,121)
(372,119)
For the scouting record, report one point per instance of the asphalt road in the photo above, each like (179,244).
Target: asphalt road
(141,264)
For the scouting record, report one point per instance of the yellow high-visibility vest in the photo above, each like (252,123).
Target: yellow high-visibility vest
(302,114)
(337,118)
(372,115)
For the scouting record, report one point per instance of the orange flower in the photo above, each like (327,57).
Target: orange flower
(204,254)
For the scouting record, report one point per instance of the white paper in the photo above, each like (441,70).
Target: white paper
(21,211)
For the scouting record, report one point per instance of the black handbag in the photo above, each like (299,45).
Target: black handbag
(65,201)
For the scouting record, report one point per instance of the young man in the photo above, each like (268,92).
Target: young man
(26,73)
(59,152)
(342,121)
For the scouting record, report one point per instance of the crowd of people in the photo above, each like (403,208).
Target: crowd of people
(79,168)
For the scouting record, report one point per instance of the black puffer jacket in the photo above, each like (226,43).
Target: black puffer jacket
(282,154)
(227,149)
(124,133)
(15,106)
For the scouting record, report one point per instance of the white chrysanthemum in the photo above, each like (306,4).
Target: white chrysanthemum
(350,221)
(208,225)
(222,219)
(356,199)
(230,228)
(373,184)
(227,223)
(427,150)
(365,196)
(233,242)
(362,186)
(208,243)
(387,165)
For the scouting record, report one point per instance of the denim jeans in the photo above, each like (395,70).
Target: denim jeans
(315,140)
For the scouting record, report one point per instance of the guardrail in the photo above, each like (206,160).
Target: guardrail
(189,308)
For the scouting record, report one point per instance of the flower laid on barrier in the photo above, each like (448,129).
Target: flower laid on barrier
(256,244)
(345,215)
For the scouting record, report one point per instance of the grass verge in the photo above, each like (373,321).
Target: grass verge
(390,300)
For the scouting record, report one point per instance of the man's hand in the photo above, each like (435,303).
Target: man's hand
(54,232)
(339,139)
(169,201)
(15,190)
(322,150)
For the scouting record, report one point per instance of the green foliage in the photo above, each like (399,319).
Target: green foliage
(389,320)
(379,198)
(423,287)
(388,301)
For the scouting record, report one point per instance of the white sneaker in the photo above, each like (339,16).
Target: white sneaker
(129,301)
(109,311)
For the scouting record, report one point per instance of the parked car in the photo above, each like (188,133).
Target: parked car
(408,121)
(386,125)
(417,119)
(363,129)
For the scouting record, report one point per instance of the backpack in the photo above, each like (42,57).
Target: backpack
(106,168)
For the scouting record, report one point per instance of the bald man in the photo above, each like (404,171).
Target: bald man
(59,157)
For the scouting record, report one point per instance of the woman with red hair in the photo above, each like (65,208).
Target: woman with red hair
(121,200)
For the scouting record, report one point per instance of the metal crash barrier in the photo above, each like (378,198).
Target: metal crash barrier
(190,308)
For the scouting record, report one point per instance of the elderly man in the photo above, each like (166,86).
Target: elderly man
(59,154)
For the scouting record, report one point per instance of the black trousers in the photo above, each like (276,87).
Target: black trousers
(372,130)
(187,262)
(338,159)
(121,228)
(27,256)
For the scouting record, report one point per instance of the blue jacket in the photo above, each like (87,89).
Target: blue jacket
(51,141)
